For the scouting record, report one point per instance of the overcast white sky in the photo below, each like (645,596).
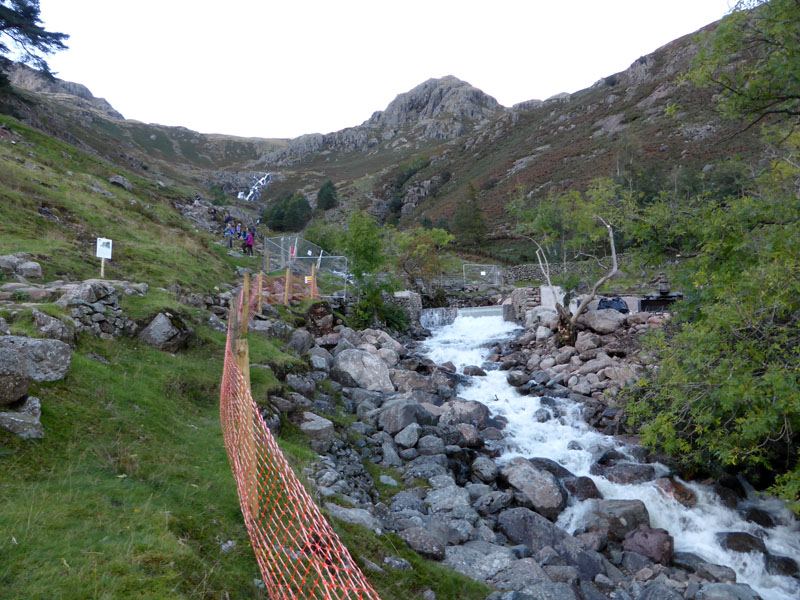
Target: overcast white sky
(281,69)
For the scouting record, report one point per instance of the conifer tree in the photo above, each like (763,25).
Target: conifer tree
(22,35)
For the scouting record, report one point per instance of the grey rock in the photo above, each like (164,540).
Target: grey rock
(408,436)
(523,526)
(121,181)
(320,359)
(726,591)
(739,541)
(14,379)
(357,516)
(464,411)
(38,359)
(615,518)
(535,487)
(166,332)
(24,420)
(29,270)
(658,591)
(408,500)
(602,321)
(8,263)
(303,385)
(447,498)
(397,563)
(390,456)
(430,445)
(424,543)
(319,430)
(656,544)
(478,560)
(520,575)
(301,341)
(493,502)
(361,369)
(397,414)
(484,468)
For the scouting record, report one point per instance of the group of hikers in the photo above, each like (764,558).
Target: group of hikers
(240,232)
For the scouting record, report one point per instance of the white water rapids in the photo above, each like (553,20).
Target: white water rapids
(467,341)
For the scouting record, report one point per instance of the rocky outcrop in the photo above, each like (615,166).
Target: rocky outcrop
(23,76)
(435,99)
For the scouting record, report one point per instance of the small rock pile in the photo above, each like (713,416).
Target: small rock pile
(606,357)
(94,305)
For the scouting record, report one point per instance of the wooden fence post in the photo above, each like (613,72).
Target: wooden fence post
(287,287)
(245,302)
(313,283)
(248,456)
(259,291)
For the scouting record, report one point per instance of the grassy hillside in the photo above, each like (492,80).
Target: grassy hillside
(129,494)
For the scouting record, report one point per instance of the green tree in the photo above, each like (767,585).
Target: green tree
(469,224)
(298,213)
(326,196)
(22,35)
(420,256)
(762,39)
(363,244)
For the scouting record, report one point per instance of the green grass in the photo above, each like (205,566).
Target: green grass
(130,493)
(152,242)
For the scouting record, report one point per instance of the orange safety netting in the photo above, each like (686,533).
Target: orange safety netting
(299,554)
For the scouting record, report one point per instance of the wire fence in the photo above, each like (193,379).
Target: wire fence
(298,553)
(299,255)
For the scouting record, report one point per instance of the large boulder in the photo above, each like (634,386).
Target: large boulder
(398,413)
(166,332)
(523,526)
(40,360)
(615,518)
(656,544)
(606,320)
(357,368)
(535,487)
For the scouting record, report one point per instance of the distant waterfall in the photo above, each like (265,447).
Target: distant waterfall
(259,184)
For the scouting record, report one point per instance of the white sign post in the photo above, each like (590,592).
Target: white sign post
(103,253)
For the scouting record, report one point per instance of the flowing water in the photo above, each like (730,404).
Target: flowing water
(569,441)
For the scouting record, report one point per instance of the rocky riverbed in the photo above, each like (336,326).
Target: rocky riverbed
(471,494)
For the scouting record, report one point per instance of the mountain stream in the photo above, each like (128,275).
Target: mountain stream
(568,440)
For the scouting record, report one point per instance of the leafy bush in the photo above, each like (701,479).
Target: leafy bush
(373,309)
(727,392)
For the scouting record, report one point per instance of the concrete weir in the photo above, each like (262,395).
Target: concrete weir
(437,317)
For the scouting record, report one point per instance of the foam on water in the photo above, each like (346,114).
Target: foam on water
(469,341)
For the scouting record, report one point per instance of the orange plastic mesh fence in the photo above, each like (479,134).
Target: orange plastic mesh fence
(299,554)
